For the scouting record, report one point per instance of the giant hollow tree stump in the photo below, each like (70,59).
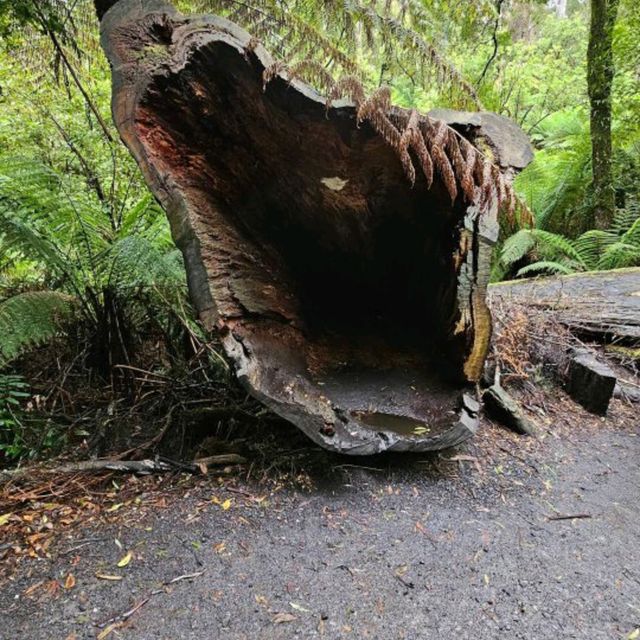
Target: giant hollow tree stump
(341,249)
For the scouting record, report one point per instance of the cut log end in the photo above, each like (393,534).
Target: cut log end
(591,383)
(351,301)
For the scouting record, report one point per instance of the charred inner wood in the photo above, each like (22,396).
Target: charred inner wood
(350,301)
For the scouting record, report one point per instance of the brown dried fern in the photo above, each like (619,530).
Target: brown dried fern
(271,72)
(437,147)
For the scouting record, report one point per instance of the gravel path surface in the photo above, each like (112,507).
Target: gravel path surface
(407,548)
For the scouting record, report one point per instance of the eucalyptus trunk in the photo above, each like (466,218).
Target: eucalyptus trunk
(600,72)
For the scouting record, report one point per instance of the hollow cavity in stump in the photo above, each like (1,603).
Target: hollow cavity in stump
(350,301)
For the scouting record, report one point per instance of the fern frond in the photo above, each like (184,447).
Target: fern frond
(632,233)
(517,247)
(30,319)
(623,219)
(556,181)
(353,38)
(135,262)
(619,255)
(21,237)
(424,54)
(591,244)
(545,266)
(553,244)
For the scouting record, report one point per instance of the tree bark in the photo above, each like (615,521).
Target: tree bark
(344,261)
(602,305)
(600,73)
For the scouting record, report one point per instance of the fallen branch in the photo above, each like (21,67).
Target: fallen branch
(114,623)
(574,516)
(143,467)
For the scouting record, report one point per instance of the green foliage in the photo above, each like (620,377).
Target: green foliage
(555,184)
(30,319)
(121,270)
(13,391)
(407,45)
(540,64)
(614,248)
(75,215)
(77,222)
(23,434)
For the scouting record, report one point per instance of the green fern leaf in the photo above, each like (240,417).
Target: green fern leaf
(632,234)
(553,245)
(30,319)
(620,255)
(545,266)
(592,244)
(517,246)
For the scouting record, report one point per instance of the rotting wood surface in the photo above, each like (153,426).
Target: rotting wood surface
(343,261)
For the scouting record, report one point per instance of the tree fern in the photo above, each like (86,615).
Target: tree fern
(592,244)
(632,233)
(30,319)
(551,244)
(555,183)
(136,261)
(116,268)
(624,219)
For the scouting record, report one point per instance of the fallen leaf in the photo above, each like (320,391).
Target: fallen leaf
(220,547)
(125,560)
(33,587)
(262,601)
(52,587)
(226,504)
(4,518)
(115,507)
(634,634)
(279,618)
(106,576)
(299,607)
(70,582)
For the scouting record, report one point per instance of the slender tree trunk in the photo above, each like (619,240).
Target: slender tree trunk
(600,72)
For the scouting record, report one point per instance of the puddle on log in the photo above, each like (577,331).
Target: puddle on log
(403,425)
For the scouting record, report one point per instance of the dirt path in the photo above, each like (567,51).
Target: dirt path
(405,549)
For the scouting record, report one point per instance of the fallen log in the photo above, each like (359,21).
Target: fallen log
(341,248)
(603,305)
